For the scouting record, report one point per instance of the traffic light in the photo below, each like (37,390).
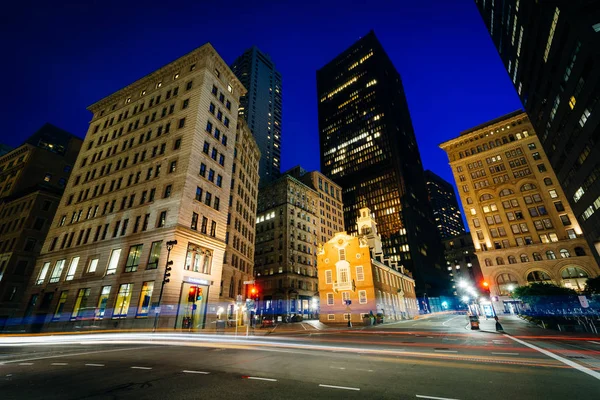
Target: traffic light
(192,294)
(198,293)
(486,288)
(254,293)
(168,272)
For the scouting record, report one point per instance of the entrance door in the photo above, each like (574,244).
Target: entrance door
(192,306)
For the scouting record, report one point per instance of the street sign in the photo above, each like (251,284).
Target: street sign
(249,282)
(583,301)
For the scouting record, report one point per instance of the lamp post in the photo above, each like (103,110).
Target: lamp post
(167,274)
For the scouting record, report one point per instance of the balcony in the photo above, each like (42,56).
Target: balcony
(339,286)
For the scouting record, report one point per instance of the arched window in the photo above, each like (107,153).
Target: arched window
(485,146)
(469,200)
(485,197)
(524,258)
(506,192)
(467,153)
(499,261)
(504,140)
(506,284)
(498,142)
(488,262)
(537,257)
(479,149)
(579,251)
(574,278)
(461,154)
(512,260)
(538,276)
(511,137)
(519,136)
(547,181)
(492,145)
(550,255)
(528,186)
(564,253)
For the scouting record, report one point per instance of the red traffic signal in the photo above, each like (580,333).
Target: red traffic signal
(192,294)
(253,291)
(485,284)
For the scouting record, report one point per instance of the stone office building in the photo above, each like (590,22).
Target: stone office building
(32,179)
(356,280)
(155,167)
(521,223)
(293,214)
(238,262)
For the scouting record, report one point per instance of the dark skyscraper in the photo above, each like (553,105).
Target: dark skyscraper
(368,147)
(261,108)
(551,50)
(446,213)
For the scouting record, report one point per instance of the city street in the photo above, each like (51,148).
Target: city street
(433,357)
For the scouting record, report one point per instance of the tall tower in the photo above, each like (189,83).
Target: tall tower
(551,51)
(446,214)
(368,147)
(261,107)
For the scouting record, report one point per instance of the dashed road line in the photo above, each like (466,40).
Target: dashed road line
(94,365)
(420,396)
(337,367)
(446,351)
(506,354)
(591,341)
(339,387)
(187,371)
(25,363)
(257,378)
(59,364)
(141,367)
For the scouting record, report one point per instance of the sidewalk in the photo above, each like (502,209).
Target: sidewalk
(515,326)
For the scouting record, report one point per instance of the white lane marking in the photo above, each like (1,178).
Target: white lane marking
(302,325)
(71,354)
(141,367)
(433,398)
(337,367)
(25,363)
(570,363)
(591,341)
(195,372)
(59,364)
(506,354)
(339,387)
(445,322)
(94,365)
(446,351)
(256,378)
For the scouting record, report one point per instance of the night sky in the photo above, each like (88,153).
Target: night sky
(61,58)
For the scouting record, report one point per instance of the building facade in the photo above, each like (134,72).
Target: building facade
(238,262)
(551,51)
(293,216)
(155,167)
(356,281)
(32,179)
(522,225)
(368,147)
(446,214)
(461,261)
(261,107)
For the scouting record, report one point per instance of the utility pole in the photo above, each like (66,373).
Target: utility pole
(170,245)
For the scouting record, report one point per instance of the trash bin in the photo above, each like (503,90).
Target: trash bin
(474,322)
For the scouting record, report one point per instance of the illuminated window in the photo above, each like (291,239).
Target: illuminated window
(61,304)
(145,297)
(123,300)
(43,273)
(551,34)
(72,269)
(57,271)
(113,262)
(102,300)
(133,259)
(93,265)
(81,302)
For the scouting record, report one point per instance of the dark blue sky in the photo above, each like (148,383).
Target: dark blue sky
(62,58)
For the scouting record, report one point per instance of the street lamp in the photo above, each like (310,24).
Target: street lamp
(170,245)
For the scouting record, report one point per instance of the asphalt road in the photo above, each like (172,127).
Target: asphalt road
(435,358)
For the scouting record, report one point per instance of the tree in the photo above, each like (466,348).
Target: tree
(593,286)
(545,295)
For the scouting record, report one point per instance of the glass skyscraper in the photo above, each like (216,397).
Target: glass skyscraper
(261,108)
(368,147)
